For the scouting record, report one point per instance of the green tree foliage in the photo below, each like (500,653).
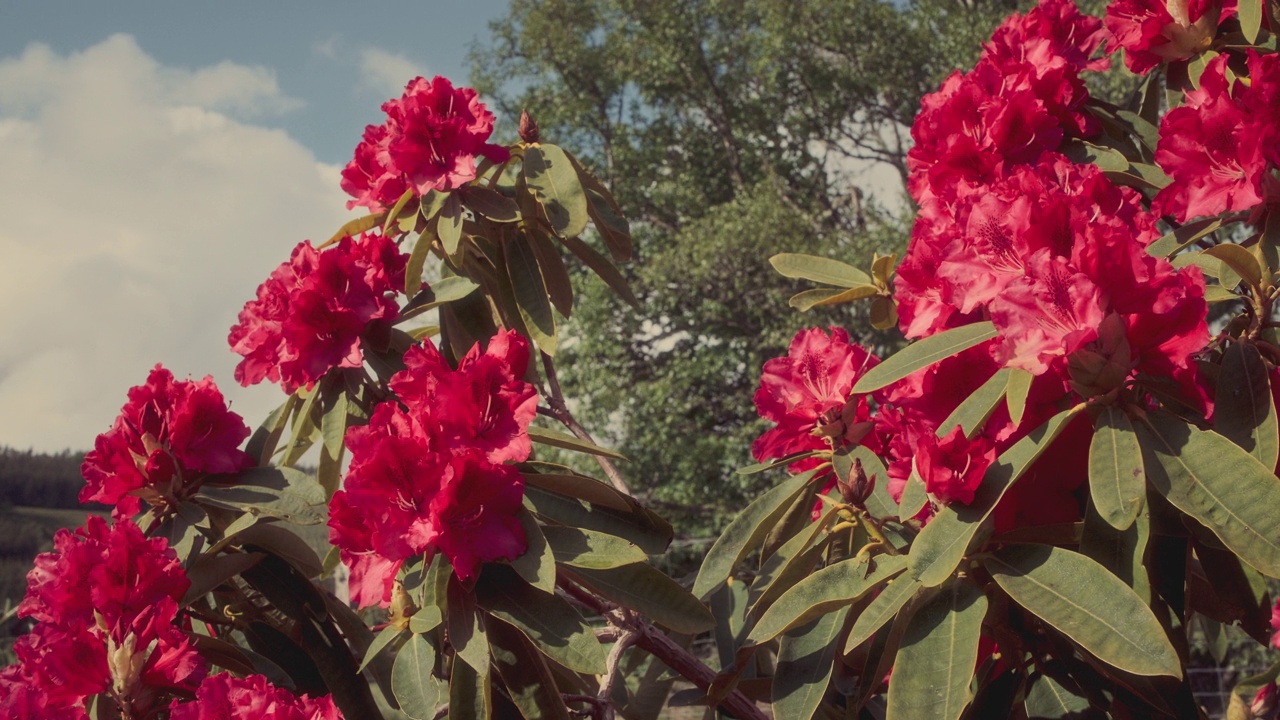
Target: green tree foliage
(729,131)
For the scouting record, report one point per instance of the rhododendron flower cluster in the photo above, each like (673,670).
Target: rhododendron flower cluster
(429,474)
(1157,31)
(225,697)
(315,311)
(168,434)
(430,141)
(105,601)
(1220,147)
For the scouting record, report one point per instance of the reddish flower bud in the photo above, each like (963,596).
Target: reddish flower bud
(528,128)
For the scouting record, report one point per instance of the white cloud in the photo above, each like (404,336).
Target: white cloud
(385,73)
(142,209)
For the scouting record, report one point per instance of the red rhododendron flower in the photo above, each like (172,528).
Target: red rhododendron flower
(314,311)
(952,466)
(22,696)
(430,141)
(1158,31)
(807,394)
(1275,625)
(429,477)
(169,432)
(225,697)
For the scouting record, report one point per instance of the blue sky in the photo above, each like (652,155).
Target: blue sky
(159,160)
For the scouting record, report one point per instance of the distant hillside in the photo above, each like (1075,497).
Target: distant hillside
(35,479)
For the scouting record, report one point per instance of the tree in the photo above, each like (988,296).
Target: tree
(728,130)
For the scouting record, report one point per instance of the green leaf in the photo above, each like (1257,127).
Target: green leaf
(639,525)
(547,619)
(939,651)
(805,658)
(914,496)
(396,210)
(578,547)
(432,203)
(555,438)
(467,633)
(880,504)
(881,610)
(1184,237)
(282,493)
(819,269)
(538,564)
(525,674)
(923,353)
(1087,604)
(832,587)
(1216,482)
(790,563)
(1107,159)
(1048,699)
(280,541)
(263,443)
(444,290)
(746,531)
(649,591)
(776,462)
(387,636)
(417,261)
(1218,294)
(1250,12)
(210,571)
(1241,261)
(554,273)
(972,413)
(351,228)
(469,694)
(531,295)
(554,182)
(818,297)
(1117,482)
(449,225)
(942,543)
(1244,411)
(601,265)
(304,427)
(1016,393)
(490,203)
(613,227)
(1121,552)
(333,425)
(415,688)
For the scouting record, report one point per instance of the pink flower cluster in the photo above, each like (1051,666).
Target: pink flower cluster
(430,141)
(1158,31)
(314,312)
(225,697)
(167,435)
(429,474)
(1221,146)
(105,601)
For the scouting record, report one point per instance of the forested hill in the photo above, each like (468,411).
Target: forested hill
(34,479)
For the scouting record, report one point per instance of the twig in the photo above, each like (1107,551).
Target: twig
(560,411)
(605,695)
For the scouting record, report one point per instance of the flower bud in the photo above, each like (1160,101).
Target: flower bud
(528,128)
(1265,703)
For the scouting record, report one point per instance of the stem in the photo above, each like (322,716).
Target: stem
(656,643)
(605,695)
(560,411)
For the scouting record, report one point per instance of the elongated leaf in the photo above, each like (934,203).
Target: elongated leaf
(880,503)
(776,462)
(531,295)
(548,620)
(333,425)
(939,650)
(819,269)
(651,592)
(538,564)
(603,267)
(914,496)
(444,290)
(490,204)
(830,588)
(942,543)
(354,227)
(525,674)
(1183,237)
(1019,387)
(558,439)
(449,225)
(469,695)
(881,610)
(1088,604)
(805,658)
(578,547)
(1048,699)
(583,487)
(417,261)
(1244,411)
(640,526)
(554,273)
(387,636)
(415,688)
(467,633)
(972,413)
(555,184)
(1216,482)
(818,297)
(263,443)
(613,227)
(1250,12)
(210,571)
(923,353)
(280,541)
(282,493)
(1241,261)
(745,533)
(789,564)
(1121,552)
(1117,481)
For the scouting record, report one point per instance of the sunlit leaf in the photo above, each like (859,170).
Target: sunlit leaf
(1117,481)
(881,610)
(805,657)
(558,439)
(578,547)
(923,353)
(1016,393)
(554,181)
(819,269)
(651,592)
(935,663)
(1048,699)
(531,295)
(972,412)
(832,587)
(538,564)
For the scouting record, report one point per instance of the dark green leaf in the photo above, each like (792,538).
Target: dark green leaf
(639,525)
(923,353)
(210,571)
(939,651)
(791,562)
(415,688)
(554,182)
(490,204)
(417,261)
(881,610)
(469,697)
(531,295)
(819,269)
(280,541)
(832,587)
(942,543)
(914,496)
(613,227)
(1048,699)
(263,443)
(1117,482)
(538,564)
(548,620)
(380,643)
(805,657)
(558,439)
(467,633)
(525,674)
(444,290)
(282,493)
(1088,604)
(641,587)
(1216,482)
(333,426)
(554,273)
(578,547)
(1120,551)
(603,267)
(746,531)
(1244,411)
(972,413)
